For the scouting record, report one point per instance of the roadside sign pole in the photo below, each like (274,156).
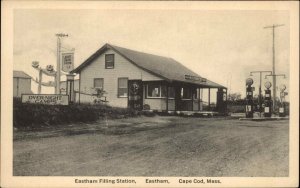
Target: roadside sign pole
(58,65)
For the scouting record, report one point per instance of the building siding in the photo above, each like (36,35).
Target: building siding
(122,68)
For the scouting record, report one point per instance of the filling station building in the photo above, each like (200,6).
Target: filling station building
(128,78)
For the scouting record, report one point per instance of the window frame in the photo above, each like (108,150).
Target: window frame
(149,97)
(106,61)
(119,96)
(102,83)
(190,92)
(160,91)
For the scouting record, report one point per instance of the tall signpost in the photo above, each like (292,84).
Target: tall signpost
(58,65)
(273,64)
(259,95)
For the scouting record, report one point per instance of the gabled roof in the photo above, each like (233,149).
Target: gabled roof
(163,67)
(21,74)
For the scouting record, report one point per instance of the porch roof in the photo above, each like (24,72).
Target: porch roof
(163,67)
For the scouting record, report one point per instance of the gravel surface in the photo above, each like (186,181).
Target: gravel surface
(155,146)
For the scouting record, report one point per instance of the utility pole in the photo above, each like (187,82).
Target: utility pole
(259,96)
(58,65)
(273,70)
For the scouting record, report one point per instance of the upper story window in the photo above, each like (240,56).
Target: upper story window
(109,61)
(122,87)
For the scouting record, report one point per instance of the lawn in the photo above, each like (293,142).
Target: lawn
(155,146)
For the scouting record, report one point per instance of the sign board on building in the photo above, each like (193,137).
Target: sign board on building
(194,78)
(48,99)
(67,61)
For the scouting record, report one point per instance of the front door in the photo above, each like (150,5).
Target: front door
(135,94)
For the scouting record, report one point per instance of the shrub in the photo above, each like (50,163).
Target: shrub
(36,115)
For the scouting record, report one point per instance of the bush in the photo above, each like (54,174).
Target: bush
(36,115)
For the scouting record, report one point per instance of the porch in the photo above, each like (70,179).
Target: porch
(174,96)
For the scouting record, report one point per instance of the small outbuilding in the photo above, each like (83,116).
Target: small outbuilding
(139,80)
(21,83)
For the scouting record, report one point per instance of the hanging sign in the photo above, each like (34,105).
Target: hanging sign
(47,99)
(67,61)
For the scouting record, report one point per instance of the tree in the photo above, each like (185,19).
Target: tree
(234,96)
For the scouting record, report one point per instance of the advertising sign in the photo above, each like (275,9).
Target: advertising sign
(67,61)
(48,99)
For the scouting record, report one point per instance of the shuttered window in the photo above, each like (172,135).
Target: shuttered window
(122,87)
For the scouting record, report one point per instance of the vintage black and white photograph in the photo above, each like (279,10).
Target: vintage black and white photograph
(115,93)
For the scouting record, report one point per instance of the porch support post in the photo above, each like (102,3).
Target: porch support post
(226,101)
(177,97)
(209,98)
(79,88)
(198,98)
(167,99)
(192,88)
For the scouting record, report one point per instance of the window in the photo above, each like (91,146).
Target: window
(122,87)
(109,61)
(156,90)
(186,93)
(98,83)
(153,90)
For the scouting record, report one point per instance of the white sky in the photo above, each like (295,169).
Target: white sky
(223,46)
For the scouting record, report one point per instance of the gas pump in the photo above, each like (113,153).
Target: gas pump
(282,112)
(249,98)
(268,101)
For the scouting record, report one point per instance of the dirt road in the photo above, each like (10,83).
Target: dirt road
(156,146)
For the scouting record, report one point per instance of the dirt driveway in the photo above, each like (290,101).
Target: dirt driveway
(155,146)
